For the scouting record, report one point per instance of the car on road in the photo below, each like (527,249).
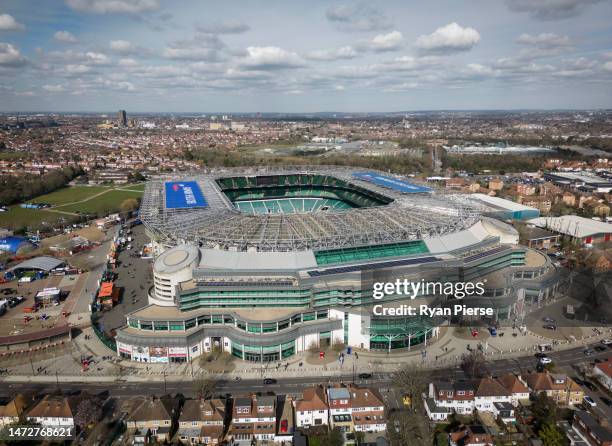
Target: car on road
(549,320)
(588,351)
(588,401)
(269,381)
(545,360)
(606,341)
(589,385)
(607,401)
(549,327)
(365,375)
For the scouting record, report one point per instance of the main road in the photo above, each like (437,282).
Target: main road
(292,385)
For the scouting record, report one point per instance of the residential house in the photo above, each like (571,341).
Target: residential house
(457,396)
(201,422)
(12,411)
(518,390)
(489,391)
(504,411)
(52,410)
(525,189)
(340,408)
(150,419)
(496,184)
(312,409)
(455,183)
(603,373)
(474,435)
(368,410)
(590,430)
(543,203)
(560,387)
(569,199)
(253,419)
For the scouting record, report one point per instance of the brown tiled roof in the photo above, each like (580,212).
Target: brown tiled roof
(364,397)
(14,408)
(51,407)
(150,409)
(195,410)
(372,417)
(490,387)
(541,382)
(313,399)
(512,383)
(212,431)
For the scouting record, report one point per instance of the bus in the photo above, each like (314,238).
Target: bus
(569,312)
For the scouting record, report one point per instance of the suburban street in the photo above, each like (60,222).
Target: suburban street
(294,385)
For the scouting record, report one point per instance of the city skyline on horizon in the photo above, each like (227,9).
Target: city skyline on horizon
(152,56)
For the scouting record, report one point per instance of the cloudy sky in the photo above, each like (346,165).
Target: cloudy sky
(304,56)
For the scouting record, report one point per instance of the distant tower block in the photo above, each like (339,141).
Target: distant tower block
(122,118)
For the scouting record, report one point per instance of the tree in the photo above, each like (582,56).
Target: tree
(474,364)
(334,438)
(88,412)
(411,426)
(129,205)
(544,411)
(550,436)
(204,387)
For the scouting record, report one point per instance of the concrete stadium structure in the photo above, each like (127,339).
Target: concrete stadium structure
(265,263)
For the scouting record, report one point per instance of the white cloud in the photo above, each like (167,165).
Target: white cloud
(345,52)
(226,27)
(65,37)
(449,38)
(113,6)
(544,40)
(8,23)
(339,88)
(122,46)
(387,42)
(53,88)
(128,62)
(360,17)
(550,9)
(10,56)
(190,53)
(97,58)
(76,69)
(271,57)
(608,66)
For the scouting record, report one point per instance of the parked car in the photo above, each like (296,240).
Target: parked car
(268,381)
(589,402)
(365,375)
(606,341)
(550,320)
(545,360)
(549,327)
(589,351)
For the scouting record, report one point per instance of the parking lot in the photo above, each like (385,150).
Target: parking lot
(134,276)
(20,320)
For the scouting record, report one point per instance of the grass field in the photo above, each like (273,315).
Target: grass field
(107,202)
(69,195)
(138,187)
(17,217)
(68,202)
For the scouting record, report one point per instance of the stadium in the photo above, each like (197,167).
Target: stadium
(265,263)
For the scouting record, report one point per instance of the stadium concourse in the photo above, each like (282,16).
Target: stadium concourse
(268,262)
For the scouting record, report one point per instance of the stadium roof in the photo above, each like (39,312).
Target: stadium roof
(500,203)
(42,263)
(572,225)
(219,224)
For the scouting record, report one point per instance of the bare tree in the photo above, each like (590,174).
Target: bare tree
(410,426)
(204,387)
(88,412)
(474,364)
